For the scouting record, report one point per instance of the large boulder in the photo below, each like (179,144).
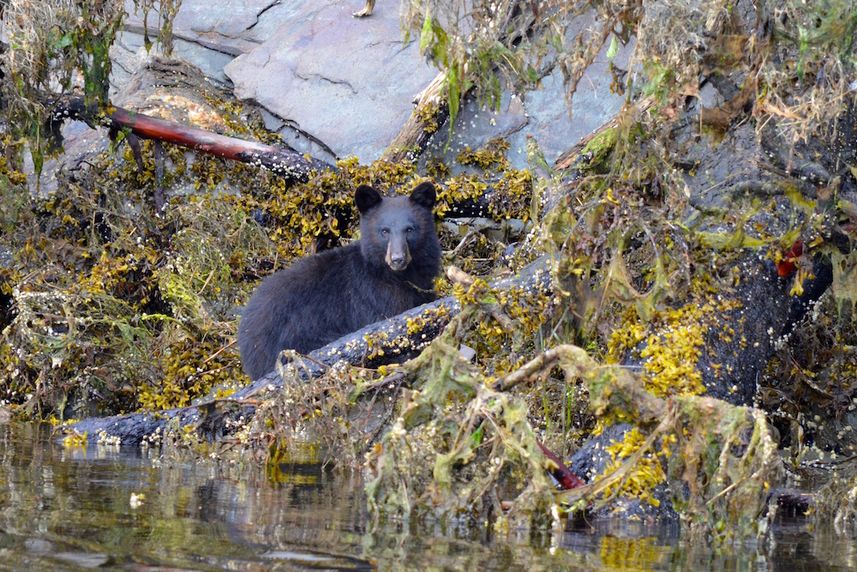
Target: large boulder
(344,82)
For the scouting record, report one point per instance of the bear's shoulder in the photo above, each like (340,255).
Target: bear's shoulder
(328,262)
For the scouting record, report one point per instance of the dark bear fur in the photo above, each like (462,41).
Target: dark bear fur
(323,297)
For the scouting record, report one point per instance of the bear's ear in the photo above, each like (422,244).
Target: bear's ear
(366,197)
(424,195)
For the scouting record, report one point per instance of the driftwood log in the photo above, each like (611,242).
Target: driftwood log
(134,428)
(430,112)
(287,163)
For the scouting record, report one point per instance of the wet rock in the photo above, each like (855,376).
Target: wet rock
(731,365)
(129,56)
(541,114)
(80,144)
(5,257)
(39,546)
(736,351)
(342,82)
(210,420)
(724,171)
(592,459)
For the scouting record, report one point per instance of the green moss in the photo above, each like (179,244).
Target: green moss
(598,149)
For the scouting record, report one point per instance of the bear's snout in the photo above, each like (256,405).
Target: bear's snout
(398,256)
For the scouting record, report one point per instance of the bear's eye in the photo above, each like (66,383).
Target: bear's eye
(410,230)
(384,231)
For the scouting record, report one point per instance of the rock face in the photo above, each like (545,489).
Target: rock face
(344,81)
(233,26)
(592,459)
(333,85)
(542,114)
(207,34)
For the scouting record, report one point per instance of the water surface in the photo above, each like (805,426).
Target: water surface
(120,509)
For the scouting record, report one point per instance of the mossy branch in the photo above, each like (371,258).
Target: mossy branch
(287,163)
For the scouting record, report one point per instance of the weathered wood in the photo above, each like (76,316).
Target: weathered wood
(134,428)
(286,163)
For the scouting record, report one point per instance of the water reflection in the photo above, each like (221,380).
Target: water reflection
(70,509)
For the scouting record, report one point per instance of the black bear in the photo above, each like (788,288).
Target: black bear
(323,297)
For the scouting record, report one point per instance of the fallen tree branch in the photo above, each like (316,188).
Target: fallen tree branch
(287,163)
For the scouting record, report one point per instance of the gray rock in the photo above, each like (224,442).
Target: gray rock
(235,26)
(207,34)
(542,113)
(709,96)
(129,55)
(592,459)
(80,144)
(341,82)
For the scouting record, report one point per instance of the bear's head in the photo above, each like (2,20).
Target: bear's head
(396,231)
